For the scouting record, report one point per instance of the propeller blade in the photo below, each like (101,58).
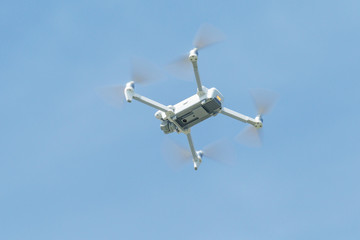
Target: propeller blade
(144,72)
(175,154)
(113,95)
(182,68)
(207,35)
(264,100)
(250,136)
(222,151)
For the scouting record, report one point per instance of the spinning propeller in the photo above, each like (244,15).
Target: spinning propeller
(264,101)
(142,72)
(206,36)
(221,151)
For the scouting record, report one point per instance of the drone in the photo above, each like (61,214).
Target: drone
(205,103)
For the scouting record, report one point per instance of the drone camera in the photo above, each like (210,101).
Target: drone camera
(167,127)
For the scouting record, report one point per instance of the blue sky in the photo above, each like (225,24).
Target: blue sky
(72,167)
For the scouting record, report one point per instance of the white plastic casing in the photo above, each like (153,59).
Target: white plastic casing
(129,91)
(259,121)
(193,56)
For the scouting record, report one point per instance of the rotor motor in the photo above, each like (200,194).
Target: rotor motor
(129,91)
(193,56)
(259,121)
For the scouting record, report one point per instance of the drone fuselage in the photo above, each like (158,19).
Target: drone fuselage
(191,111)
(198,107)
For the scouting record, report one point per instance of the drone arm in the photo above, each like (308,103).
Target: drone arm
(151,103)
(197,76)
(191,144)
(238,116)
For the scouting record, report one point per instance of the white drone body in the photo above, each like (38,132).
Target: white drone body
(191,111)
